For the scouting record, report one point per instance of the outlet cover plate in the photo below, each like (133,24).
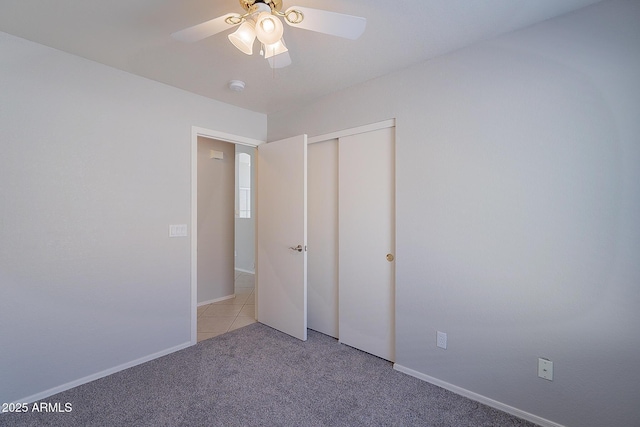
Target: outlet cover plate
(441,340)
(545,368)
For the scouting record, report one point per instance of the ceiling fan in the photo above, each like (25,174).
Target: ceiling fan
(262,20)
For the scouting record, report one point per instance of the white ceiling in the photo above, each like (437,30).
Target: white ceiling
(134,36)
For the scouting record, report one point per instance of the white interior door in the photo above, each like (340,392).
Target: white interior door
(281,228)
(367,242)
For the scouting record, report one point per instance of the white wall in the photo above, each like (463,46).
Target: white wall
(518,206)
(216,236)
(94,166)
(246,227)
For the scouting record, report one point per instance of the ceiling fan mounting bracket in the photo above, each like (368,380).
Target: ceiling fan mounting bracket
(293,16)
(275,5)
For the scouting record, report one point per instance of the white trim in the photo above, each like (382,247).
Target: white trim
(102,374)
(353,131)
(478,397)
(226,137)
(242,270)
(211,301)
(221,136)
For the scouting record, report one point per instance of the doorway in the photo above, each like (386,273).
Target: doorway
(226,299)
(213,224)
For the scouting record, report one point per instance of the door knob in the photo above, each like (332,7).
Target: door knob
(390,257)
(297,248)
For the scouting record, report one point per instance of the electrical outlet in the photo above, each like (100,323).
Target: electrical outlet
(545,368)
(441,340)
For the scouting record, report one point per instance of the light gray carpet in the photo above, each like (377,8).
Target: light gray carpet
(256,376)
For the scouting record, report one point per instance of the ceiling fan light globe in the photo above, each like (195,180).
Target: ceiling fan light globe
(267,25)
(269,28)
(244,37)
(275,49)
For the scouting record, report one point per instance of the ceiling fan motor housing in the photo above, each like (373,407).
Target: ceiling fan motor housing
(273,4)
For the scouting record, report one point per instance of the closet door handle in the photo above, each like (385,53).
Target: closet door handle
(297,248)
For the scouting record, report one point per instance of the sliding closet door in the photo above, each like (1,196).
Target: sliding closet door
(323,237)
(367,242)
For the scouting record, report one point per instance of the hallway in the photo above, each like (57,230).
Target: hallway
(224,316)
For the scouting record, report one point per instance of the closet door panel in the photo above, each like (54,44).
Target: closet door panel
(366,248)
(322,279)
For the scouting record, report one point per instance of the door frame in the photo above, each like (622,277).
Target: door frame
(390,123)
(220,136)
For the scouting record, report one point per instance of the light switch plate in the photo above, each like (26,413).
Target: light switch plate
(178,230)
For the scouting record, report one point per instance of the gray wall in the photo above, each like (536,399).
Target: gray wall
(518,207)
(95,164)
(216,197)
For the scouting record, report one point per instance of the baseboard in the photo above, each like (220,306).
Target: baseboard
(242,270)
(478,397)
(102,374)
(216,300)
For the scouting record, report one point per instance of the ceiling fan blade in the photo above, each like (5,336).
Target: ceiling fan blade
(280,61)
(336,24)
(204,30)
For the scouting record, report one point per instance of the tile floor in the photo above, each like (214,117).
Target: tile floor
(224,316)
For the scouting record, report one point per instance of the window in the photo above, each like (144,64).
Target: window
(244,185)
